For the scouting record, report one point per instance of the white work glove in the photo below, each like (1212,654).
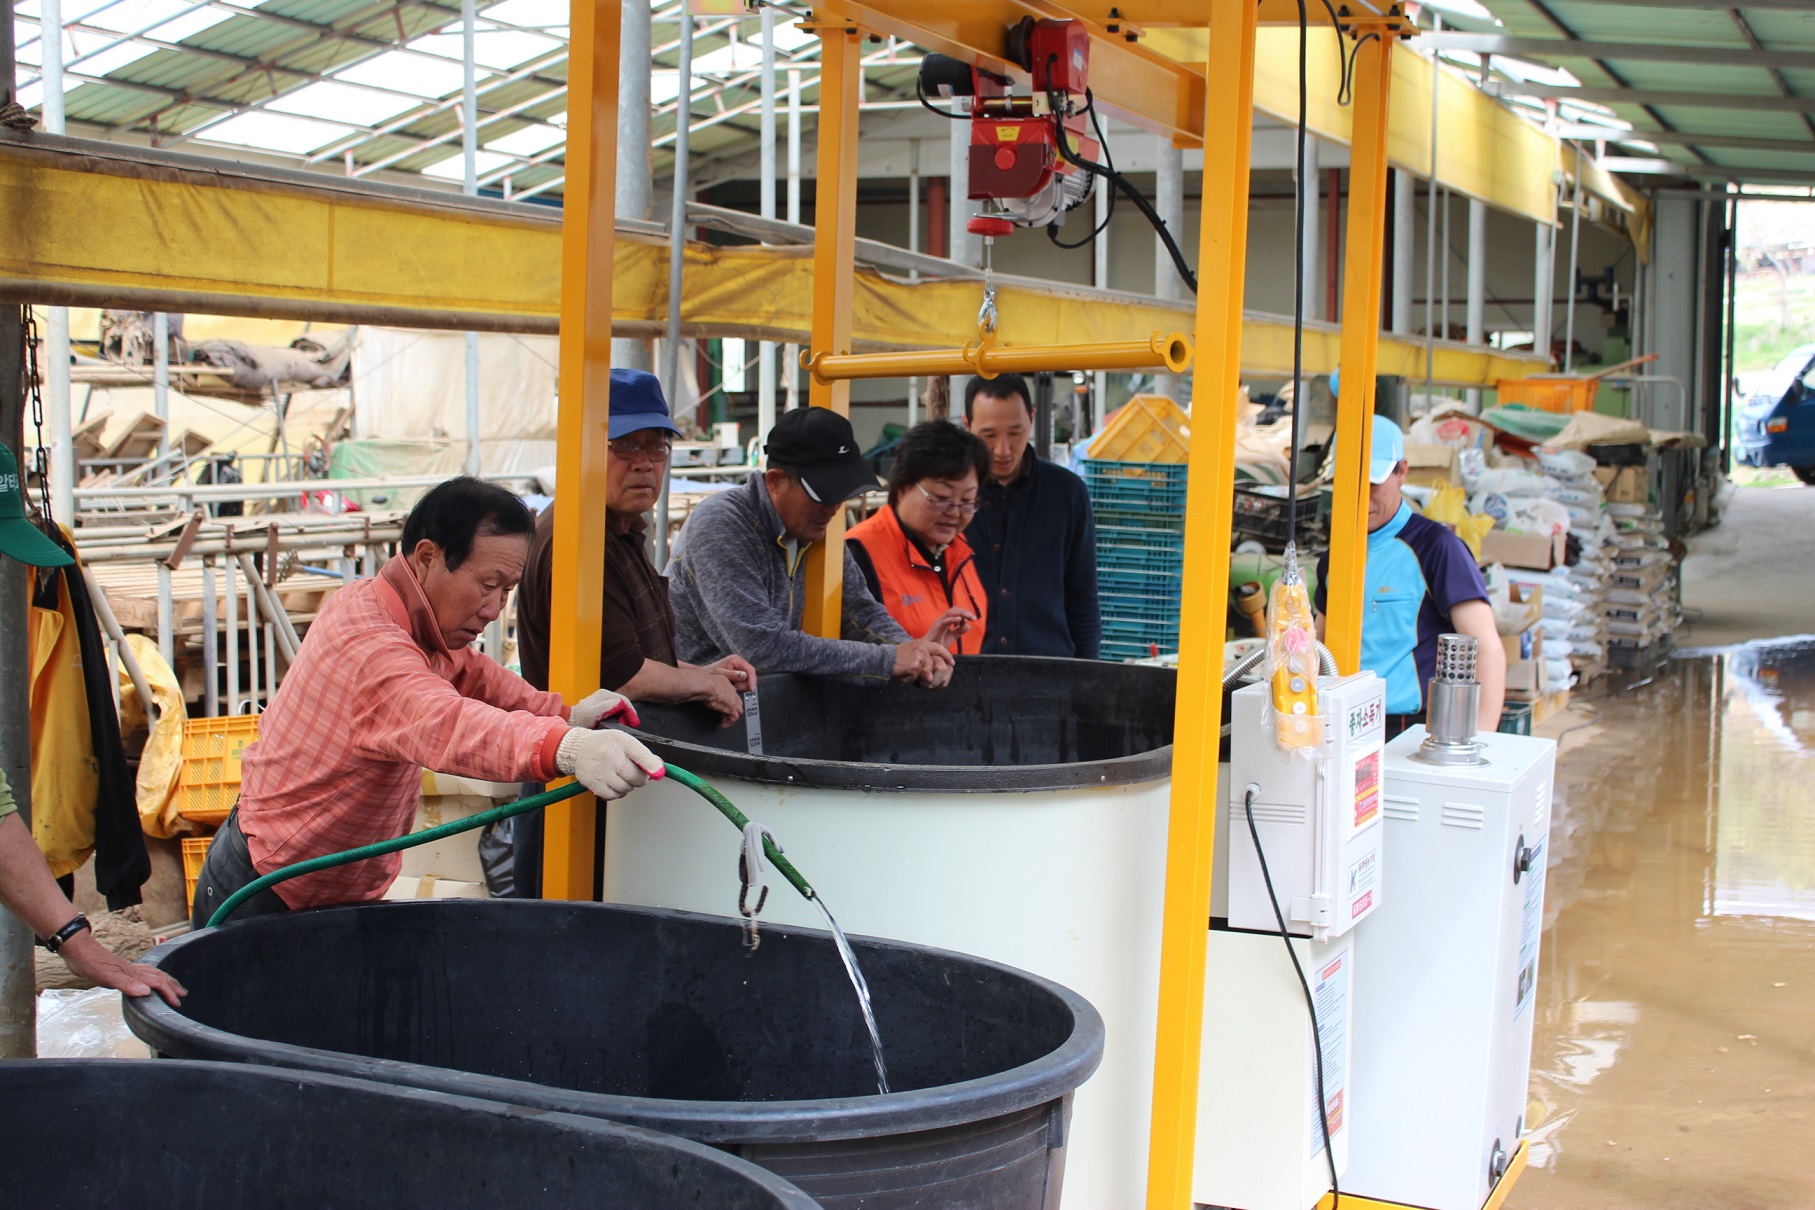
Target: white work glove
(609,763)
(600,706)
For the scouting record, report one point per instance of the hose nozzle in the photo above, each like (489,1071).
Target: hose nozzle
(1454,706)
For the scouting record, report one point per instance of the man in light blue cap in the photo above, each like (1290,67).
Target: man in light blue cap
(1421,582)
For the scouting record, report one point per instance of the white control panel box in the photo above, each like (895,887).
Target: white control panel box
(1443,1024)
(1318,812)
(1259,1138)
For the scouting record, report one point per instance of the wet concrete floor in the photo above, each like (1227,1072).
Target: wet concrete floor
(1674,1057)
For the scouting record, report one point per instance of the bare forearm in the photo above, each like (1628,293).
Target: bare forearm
(659,682)
(1476,619)
(27,889)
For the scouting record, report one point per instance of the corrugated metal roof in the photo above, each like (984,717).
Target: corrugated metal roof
(1718,90)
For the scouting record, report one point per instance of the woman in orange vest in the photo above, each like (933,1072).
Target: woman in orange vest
(913,554)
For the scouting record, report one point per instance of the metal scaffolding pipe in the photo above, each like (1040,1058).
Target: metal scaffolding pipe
(55,366)
(677,259)
(765,350)
(287,641)
(1575,245)
(160,377)
(1405,199)
(633,191)
(791,352)
(109,623)
(1312,236)
(1477,284)
(18,1004)
(469,153)
(1171,351)
(211,652)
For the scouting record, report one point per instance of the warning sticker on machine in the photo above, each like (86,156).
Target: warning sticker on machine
(1330,992)
(1364,872)
(1367,789)
(1531,928)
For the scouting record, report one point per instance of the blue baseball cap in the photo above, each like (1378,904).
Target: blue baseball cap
(1388,450)
(637,404)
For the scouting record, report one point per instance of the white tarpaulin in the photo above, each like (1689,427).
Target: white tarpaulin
(412,384)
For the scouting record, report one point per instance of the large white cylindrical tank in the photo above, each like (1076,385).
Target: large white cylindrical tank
(1019,816)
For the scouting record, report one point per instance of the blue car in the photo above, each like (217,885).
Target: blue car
(1776,424)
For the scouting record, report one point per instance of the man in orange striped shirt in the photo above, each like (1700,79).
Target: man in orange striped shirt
(386,685)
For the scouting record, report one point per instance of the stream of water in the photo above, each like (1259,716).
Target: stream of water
(862,988)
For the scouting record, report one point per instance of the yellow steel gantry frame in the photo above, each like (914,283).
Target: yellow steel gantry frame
(1216,107)
(577,586)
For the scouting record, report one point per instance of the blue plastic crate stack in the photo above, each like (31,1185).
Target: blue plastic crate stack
(1140,513)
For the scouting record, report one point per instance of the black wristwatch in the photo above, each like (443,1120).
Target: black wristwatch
(55,941)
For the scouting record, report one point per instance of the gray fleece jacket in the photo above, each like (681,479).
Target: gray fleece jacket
(736,590)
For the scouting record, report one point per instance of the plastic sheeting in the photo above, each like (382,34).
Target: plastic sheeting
(161,763)
(412,384)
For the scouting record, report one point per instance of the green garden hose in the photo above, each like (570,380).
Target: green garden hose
(532,803)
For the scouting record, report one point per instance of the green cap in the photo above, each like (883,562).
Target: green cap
(19,537)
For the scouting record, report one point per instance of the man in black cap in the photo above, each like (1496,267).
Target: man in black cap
(737,576)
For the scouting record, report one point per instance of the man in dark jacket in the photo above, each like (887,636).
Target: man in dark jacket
(1034,536)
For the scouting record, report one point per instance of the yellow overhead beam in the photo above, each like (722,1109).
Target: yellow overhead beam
(115,230)
(1485,150)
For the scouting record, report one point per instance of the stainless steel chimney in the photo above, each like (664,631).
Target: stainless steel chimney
(1454,705)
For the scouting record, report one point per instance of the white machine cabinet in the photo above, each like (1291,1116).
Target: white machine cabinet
(1443,1019)
(1319,819)
(1260,1142)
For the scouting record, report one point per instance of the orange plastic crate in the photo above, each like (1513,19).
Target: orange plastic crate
(1555,394)
(209,784)
(195,851)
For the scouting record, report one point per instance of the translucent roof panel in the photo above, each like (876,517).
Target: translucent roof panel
(340,102)
(276,132)
(419,75)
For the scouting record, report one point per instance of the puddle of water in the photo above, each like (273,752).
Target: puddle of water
(1673,1061)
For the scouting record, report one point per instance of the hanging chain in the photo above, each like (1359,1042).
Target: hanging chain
(34,391)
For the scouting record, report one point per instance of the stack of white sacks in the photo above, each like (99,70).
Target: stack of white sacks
(1642,605)
(1557,494)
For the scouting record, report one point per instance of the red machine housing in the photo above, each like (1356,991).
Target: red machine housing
(1014,149)
(1018,157)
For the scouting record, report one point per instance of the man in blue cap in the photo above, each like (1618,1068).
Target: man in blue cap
(1421,582)
(637,656)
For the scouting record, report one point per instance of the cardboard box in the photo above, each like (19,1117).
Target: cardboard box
(1525,679)
(1624,484)
(1524,609)
(1530,551)
(1528,644)
(1429,465)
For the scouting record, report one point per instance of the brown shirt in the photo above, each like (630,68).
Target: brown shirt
(639,622)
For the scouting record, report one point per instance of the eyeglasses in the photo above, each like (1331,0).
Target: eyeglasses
(630,449)
(964,508)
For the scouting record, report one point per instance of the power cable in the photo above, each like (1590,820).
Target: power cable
(1120,182)
(1323,1100)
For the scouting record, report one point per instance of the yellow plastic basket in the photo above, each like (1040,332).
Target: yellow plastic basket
(1557,394)
(1148,428)
(195,851)
(209,785)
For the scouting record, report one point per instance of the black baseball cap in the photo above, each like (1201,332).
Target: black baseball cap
(817,444)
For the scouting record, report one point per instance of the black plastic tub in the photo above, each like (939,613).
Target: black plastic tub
(1004,723)
(662,1019)
(106,1133)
